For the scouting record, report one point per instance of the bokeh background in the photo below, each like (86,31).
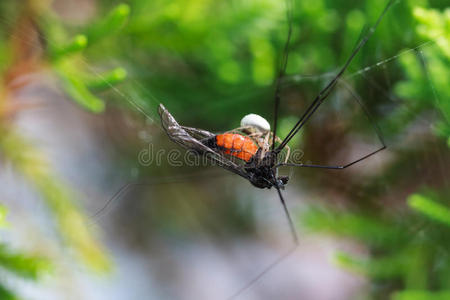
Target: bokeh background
(88,211)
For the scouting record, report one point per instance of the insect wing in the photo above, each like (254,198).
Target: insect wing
(198,133)
(178,134)
(189,138)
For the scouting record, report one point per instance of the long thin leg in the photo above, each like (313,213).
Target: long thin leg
(286,211)
(331,167)
(374,125)
(327,90)
(281,258)
(154,182)
(282,70)
(264,272)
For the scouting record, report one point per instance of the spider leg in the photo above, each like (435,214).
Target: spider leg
(374,125)
(264,144)
(282,70)
(338,167)
(264,272)
(255,135)
(288,153)
(325,92)
(152,182)
(281,258)
(288,149)
(288,216)
(240,130)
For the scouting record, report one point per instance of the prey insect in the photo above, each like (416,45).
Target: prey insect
(254,144)
(250,143)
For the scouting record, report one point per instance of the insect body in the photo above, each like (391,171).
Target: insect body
(234,144)
(253,149)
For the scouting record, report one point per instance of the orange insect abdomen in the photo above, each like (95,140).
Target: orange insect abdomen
(237,145)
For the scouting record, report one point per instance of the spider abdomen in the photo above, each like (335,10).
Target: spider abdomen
(237,145)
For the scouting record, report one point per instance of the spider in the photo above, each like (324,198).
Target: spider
(253,150)
(254,144)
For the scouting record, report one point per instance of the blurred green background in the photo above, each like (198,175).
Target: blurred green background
(81,81)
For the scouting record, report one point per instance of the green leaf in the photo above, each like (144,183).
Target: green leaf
(433,24)
(3,212)
(433,210)
(71,223)
(106,80)
(112,23)
(364,228)
(77,44)
(79,92)
(421,295)
(6,294)
(385,268)
(23,265)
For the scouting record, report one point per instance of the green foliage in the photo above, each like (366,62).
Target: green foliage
(24,266)
(408,255)
(78,91)
(3,222)
(421,295)
(68,62)
(374,232)
(428,88)
(109,25)
(386,268)
(33,165)
(78,43)
(435,25)
(21,265)
(62,53)
(425,205)
(7,294)
(106,80)
(215,54)
(403,251)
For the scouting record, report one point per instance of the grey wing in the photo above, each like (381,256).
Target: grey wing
(189,138)
(198,133)
(177,133)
